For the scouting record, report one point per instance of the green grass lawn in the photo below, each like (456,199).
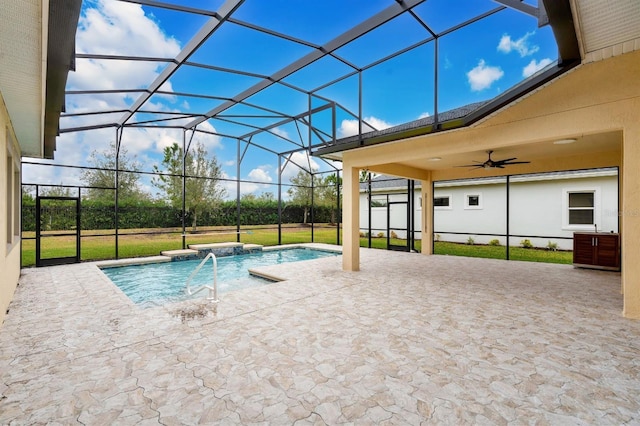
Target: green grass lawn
(499,252)
(103,247)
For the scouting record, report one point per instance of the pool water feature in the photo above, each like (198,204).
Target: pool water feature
(159,283)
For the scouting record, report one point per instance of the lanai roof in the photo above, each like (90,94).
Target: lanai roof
(321,49)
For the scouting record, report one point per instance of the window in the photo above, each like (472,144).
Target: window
(9,200)
(12,201)
(442,202)
(472,201)
(581,208)
(16,204)
(378,201)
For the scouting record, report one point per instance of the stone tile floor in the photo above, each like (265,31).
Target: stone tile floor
(409,339)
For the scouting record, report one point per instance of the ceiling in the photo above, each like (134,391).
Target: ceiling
(36,50)
(584,145)
(21,71)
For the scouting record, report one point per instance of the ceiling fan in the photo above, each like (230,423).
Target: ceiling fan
(494,164)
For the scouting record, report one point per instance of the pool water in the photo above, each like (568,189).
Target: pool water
(158,283)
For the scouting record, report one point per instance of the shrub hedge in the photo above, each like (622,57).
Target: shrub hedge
(95,215)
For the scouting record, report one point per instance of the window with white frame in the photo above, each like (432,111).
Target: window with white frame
(12,190)
(581,207)
(378,201)
(442,202)
(473,201)
(16,202)
(9,196)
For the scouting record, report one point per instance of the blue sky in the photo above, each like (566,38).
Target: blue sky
(476,63)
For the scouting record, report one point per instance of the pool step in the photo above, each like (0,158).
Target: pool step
(219,249)
(200,251)
(180,254)
(252,248)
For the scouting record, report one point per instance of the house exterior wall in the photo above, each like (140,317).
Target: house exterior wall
(9,211)
(397,213)
(489,217)
(541,209)
(538,211)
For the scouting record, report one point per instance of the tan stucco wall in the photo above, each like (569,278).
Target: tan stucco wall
(9,253)
(597,99)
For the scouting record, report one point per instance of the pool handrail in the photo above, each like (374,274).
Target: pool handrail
(213,291)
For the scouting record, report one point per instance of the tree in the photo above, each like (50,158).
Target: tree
(58,191)
(301,192)
(203,189)
(103,175)
(329,193)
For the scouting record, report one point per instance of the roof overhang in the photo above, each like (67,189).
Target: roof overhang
(63,22)
(37,47)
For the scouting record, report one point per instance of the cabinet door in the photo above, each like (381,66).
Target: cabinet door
(607,251)
(583,249)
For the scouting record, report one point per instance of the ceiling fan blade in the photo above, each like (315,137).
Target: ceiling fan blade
(480,165)
(518,162)
(506,159)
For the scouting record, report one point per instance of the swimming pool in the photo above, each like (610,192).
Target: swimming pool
(159,283)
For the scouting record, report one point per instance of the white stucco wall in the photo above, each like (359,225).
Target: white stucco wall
(487,218)
(538,210)
(398,213)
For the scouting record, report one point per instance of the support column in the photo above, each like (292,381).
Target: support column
(350,218)
(426,226)
(630,220)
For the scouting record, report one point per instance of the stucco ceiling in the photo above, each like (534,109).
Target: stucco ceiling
(36,51)
(21,70)
(583,146)
(607,28)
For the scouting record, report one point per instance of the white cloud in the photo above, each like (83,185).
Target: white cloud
(117,28)
(280,132)
(122,28)
(520,45)
(261,174)
(297,161)
(483,76)
(229,163)
(534,67)
(424,115)
(350,127)
(231,185)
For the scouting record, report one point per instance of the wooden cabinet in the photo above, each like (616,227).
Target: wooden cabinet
(596,250)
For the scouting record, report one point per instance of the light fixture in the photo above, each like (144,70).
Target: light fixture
(564,141)
(435,159)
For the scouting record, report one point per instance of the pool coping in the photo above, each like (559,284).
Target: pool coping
(258,272)
(250,248)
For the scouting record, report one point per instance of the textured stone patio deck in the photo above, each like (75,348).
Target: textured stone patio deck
(409,339)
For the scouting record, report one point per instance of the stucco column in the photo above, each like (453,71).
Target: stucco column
(630,219)
(427,215)
(350,218)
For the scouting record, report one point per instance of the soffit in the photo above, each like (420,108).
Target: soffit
(21,70)
(607,28)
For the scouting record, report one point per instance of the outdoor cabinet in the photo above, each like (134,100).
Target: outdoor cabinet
(597,250)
